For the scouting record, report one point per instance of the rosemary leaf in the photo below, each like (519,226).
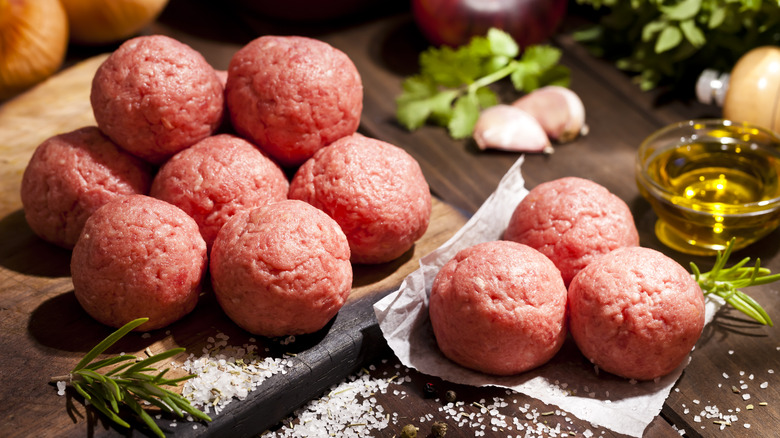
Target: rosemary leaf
(144,364)
(135,407)
(122,367)
(128,382)
(108,342)
(727,282)
(101,406)
(86,373)
(110,361)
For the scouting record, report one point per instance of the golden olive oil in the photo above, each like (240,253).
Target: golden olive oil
(718,190)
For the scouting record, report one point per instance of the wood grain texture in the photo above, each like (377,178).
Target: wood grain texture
(44,331)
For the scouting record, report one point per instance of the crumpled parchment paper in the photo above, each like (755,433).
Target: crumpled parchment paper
(568,381)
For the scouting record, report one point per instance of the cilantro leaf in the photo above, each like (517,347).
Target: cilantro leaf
(453,84)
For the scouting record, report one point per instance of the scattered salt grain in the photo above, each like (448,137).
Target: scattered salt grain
(61,385)
(288,340)
(764,385)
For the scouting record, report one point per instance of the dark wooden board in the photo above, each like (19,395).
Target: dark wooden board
(44,331)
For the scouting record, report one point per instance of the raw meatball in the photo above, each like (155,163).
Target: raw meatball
(374,190)
(635,313)
(218,177)
(292,95)
(282,269)
(155,96)
(499,307)
(70,175)
(572,221)
(138,257)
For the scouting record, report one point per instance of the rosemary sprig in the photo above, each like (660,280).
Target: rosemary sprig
(726,282)
(128,382)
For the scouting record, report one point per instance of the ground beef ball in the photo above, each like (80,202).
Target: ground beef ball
(374,190)
(72,174)
(155,96)
(499,307)
(218,177)
(292,95)
(138,257)
(635,313)
(572,221)
(281,269)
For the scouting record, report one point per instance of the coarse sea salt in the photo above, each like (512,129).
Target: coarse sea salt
(225,373)
(61,385)
(345,411)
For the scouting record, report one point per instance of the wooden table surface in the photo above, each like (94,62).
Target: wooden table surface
(384,48)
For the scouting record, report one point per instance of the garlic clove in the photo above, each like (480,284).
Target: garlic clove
(509,128)
(558,109)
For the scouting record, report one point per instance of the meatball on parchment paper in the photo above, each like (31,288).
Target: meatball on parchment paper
(568,381)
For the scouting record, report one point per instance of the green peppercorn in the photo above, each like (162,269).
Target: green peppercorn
(409,431)
(439,429)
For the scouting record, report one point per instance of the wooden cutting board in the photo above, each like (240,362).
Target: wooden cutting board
(44,332)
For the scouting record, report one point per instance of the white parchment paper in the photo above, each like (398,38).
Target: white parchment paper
(568,381)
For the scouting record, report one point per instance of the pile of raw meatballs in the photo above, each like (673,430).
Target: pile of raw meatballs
(257,179)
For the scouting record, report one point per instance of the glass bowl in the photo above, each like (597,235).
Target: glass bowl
(710,181)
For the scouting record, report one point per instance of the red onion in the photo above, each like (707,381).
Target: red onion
(454,22)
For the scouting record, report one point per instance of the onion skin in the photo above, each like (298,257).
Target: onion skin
(454,22)
(33,43)
(754,88)
(98,22)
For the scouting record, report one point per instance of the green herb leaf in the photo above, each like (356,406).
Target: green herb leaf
(669,38)
(464,116)
(726,282)
(683,10)
(671,42)
(692,33)
(98,349)
(128,381)
(452,86)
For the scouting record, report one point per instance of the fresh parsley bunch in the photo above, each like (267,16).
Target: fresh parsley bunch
(672,41)
(452,86)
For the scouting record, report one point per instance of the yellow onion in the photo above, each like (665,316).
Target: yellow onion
(33,42)
(754,88)
(95,22)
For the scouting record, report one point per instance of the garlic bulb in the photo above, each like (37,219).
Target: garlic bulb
(509,128)
(558,109)
(94,22)
(33,42)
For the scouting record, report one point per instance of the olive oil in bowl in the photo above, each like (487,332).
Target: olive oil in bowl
(710,181)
